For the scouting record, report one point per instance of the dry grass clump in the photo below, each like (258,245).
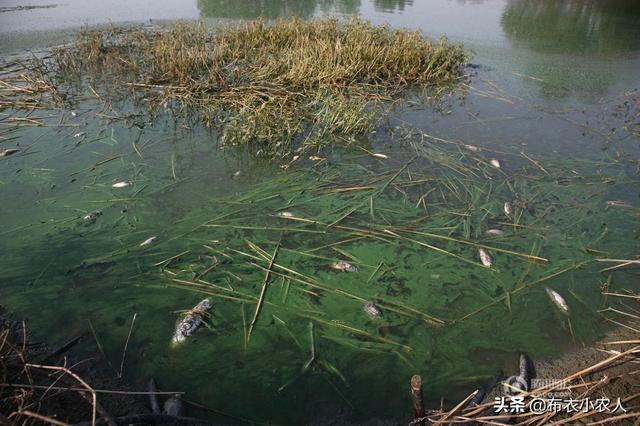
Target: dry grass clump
(260,82)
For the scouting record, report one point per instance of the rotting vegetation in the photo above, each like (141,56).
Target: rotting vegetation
(274,84)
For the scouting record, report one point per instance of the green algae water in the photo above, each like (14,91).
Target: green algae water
(559,117)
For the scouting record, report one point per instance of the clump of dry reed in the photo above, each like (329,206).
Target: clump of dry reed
(264,83)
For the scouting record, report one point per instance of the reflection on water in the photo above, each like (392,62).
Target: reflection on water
(569,26)
(273,9)
(391,5)
(590,35)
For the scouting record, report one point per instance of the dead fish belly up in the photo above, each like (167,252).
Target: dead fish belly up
(485,257)
(343,266)
(558,300)
(508,208)
(173,406)
(372,310)
(191,322)
(7,152)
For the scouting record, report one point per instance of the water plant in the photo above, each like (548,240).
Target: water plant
(257,82)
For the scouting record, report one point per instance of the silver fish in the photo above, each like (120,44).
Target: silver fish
(173,406)
(495,163)
(494,232)
(148,241)
(8,152)
(508,208)
(372,310)
(617,203)
(558,300)
(343,266)
(91,217)
(121,184)
(376,154)
(485,257)
(191,322)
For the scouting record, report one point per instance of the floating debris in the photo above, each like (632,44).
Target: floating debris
(472,148)
(508,208)
(343,266)
(73,114)
(79,135)
(372,310)
(485,257)
(191,322)
(286,214)
(558,300)
(315,158)
(237,173)
(121,184)
(493,232)
(495,163)
(380,155)
(148,241)
(172,406)
(8,152)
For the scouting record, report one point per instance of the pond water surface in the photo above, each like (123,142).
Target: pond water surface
(546,97)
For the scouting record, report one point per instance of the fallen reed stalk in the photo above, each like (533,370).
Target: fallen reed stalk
(263,291)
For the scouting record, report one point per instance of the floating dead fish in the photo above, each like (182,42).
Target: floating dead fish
(121,184)
(526,369)
(514,386)
(494,232)
(343,266)
(380,155)
(495,163)
(508,208)
(295,157)
(73,114)
(173,406)
(148,241)
(153,397)
(101,265)
(91,217)
(472,148)
(191,322)
(286,214)
(315,158)
(485,257)
(79,135)
(558,300)
(237,173)
(372,310)
(8,152)
(617,203)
